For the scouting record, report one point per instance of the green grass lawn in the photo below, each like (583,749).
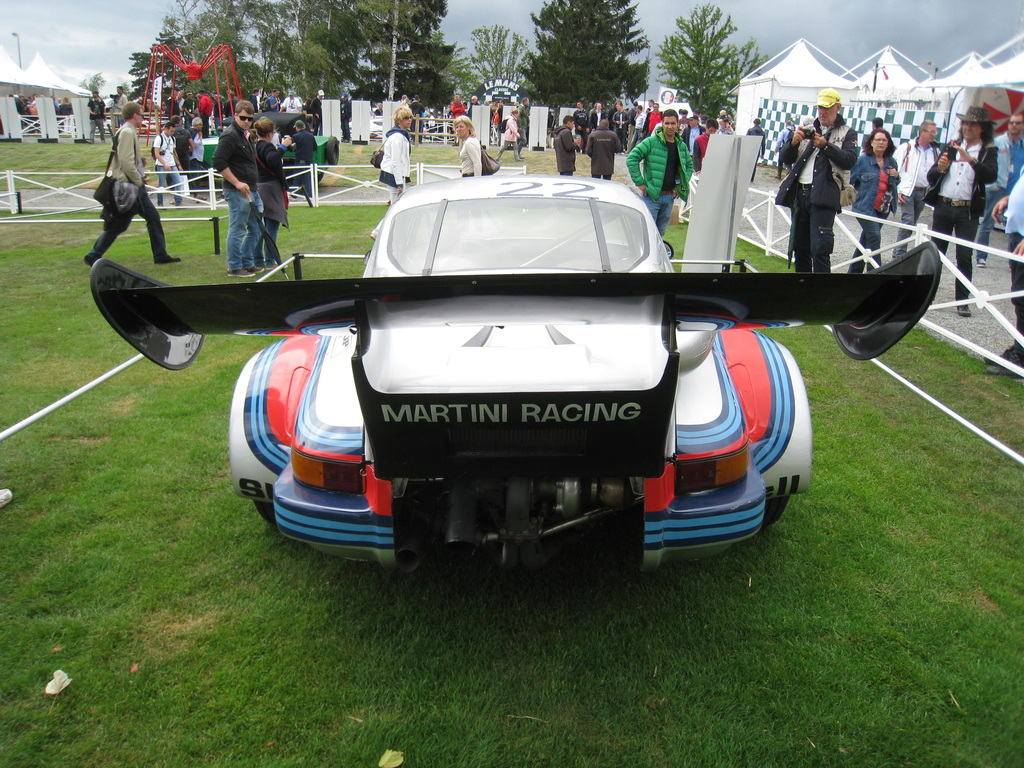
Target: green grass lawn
(879,623)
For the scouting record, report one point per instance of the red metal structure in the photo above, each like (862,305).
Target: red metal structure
(166,67)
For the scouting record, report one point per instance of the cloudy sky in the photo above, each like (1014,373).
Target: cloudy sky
(78,39)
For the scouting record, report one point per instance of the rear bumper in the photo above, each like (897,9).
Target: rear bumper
(704,524)
(342,524)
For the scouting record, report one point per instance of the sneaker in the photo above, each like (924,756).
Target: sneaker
(5,497)
(982,263)
(255,269)
(239,273)
(963,311)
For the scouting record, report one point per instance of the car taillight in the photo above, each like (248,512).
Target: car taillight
(711,472)
(331,475)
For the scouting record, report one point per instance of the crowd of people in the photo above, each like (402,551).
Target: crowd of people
(969,181)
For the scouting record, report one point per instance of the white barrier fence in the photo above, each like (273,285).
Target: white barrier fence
(67,191)
(766,226)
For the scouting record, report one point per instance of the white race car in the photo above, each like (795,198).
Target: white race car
(519,361)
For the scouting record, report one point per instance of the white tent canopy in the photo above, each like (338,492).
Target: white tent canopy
(39,74)
(1009,74)
(10,73)
(886,79)
(794,75)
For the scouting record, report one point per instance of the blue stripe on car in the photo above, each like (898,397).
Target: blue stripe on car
(260,437)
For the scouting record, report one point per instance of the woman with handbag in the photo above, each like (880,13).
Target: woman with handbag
(874,176)
(395,169)
(272,186)
(469,146)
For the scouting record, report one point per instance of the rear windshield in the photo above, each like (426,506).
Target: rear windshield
(508,234)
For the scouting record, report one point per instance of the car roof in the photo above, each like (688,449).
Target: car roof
(532,185)
(516,234)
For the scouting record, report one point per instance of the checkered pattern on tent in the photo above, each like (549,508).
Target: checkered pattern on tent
(901,123)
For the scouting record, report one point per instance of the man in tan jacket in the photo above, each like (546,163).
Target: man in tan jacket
(126,166)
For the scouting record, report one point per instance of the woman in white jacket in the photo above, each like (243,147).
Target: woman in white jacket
(469,151)
(394,168)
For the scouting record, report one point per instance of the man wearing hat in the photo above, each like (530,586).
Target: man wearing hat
(821,152)
(292,103)
(956,187)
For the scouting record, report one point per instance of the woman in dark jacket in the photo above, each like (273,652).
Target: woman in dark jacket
(272,186)
(874,176)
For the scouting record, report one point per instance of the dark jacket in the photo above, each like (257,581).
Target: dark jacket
(602,146)
(985,171)
(565,149)
(304,145)
(824,190)
(236,152)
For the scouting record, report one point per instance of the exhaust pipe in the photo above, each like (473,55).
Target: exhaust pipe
(460,529)
(409,553)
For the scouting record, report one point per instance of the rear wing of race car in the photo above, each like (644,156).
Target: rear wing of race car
(869,312)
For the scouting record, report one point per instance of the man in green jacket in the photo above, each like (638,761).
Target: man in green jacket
(667,168)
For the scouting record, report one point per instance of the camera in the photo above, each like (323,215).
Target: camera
(951,152)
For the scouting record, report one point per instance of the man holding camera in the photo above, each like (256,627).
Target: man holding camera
(822,155)
(956,187)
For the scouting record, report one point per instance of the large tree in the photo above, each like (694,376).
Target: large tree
(405,52)
(699,60)
(586,50)
(497,52)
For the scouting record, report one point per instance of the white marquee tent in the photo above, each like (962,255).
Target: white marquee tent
(887,80)
(793,75)
(39,75)
(11,76)
(1009,74)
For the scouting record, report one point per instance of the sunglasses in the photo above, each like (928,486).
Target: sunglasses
(247,118)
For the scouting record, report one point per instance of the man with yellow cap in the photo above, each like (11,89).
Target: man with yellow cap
(822,154)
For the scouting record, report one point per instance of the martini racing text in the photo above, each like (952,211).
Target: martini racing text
(504,413)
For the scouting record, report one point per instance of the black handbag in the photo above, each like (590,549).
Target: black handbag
(377,158)
(104,193)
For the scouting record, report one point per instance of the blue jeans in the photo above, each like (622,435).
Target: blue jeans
(169,180)
(243,229)
(661,210)
(145,208)
(992,196)
(871,239)
(263,255)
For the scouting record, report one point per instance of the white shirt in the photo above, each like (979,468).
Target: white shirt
(291,104)
(165,147)
(959,181)
(914,163)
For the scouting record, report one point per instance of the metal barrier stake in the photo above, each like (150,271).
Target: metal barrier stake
(216,234)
